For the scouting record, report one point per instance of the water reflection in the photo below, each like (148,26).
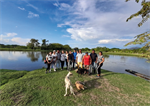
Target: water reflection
(34,60)
(34,56)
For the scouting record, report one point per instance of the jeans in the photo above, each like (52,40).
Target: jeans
(69,65)
(59,63)
(99,69)
(94,66)
(62,64)
(54,65)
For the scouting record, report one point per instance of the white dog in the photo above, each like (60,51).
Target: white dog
(68,84)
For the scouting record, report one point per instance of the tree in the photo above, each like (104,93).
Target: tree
(143,38)
(44,42)
(33,43)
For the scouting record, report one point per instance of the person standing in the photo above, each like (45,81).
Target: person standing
(93,56)
(74,54)
(66,59)
(79,59)
(70,60)
(49,59)
(63,56)
(100,62)
(86,60)
(54,60)
(58,58)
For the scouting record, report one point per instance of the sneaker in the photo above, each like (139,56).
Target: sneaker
(49,71)
(98,76)
(54,69)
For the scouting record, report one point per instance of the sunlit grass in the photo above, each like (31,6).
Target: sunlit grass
(37,88)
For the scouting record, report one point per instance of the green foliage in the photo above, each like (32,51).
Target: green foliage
(143,38)
(33,44)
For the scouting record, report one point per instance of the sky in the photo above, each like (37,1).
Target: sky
(78,23)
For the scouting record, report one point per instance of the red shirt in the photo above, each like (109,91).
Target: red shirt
(87,60)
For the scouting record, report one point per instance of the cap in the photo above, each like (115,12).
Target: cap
(54,50)
(86,52)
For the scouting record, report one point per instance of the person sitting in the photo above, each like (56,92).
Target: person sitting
(79,59)
(70,60)
(49,59)
(100,62)
(86,60)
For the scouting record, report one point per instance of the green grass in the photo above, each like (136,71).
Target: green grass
(34,88)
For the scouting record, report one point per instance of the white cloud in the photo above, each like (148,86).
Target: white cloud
(64,6)
(20,41)
(106,41)
(8,35)
(21,8)
(65,36)
(56,4)
(32,15)
(34,7)
(102,21)
(9,38)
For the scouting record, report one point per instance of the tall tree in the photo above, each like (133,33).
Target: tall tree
(144,12)
(33,43)
(44,42)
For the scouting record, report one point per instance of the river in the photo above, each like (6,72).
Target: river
(22,60)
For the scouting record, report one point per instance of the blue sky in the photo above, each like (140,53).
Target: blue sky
(79,23)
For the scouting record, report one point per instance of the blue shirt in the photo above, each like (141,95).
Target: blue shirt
(74,54)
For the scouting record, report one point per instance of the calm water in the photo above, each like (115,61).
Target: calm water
(17,60)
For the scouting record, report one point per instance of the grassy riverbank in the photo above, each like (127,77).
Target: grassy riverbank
(37,88)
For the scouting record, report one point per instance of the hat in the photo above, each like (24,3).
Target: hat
(86,52)
(54,50)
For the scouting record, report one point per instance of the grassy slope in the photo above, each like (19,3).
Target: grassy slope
(38,88)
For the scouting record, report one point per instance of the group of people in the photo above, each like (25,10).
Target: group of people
(90,62)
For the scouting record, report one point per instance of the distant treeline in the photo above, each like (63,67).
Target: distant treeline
(35,45)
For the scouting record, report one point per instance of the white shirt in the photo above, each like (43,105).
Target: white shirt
(49,57)
(54,56)
(63,56)
(80,56)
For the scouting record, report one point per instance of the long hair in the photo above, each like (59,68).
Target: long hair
(101,52)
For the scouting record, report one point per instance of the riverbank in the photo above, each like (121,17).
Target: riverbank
(37,88)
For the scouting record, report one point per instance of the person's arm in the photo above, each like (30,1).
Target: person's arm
(102,60)
(67,58)
(76,59)
(90,60)
(83,60)
(56,59)
(96,59)
(47,59)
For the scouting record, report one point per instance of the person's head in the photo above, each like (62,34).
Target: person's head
(70,52)
(93,51)
(54,51)
(86,53)
(66,52)
(80,51)
(57,51)
(100,53)
(50,53)
(62,52)
(74,50)
(77,52)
